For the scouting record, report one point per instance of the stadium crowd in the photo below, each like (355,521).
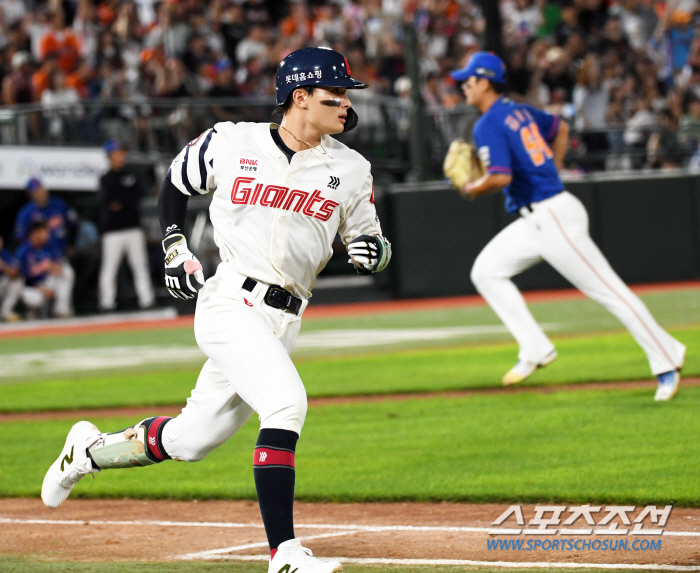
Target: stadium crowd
(627,71)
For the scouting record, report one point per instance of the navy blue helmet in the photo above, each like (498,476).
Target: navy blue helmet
(313,67)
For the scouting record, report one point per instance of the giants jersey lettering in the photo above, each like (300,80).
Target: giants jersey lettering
(275,220)
(513,139)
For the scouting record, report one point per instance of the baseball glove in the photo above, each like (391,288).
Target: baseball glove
(462,164)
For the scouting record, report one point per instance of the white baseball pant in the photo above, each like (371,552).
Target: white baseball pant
(115,245)
(557,232)
(61,285)
(249,369)
(10,293)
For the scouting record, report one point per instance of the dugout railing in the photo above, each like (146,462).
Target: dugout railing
(156,129)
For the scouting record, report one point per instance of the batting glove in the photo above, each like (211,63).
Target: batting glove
(370,254)
(183,272)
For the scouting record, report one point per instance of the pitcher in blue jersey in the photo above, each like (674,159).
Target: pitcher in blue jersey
(522,149)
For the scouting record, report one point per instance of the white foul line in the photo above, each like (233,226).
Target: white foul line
(468,562)
(231,525)
(217,553)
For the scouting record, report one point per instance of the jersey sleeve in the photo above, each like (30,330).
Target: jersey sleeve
(192,171)
(547,123)
(492,148)
(360,217)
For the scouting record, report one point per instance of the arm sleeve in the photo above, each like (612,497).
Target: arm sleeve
(172,207)
(192,171)
(360,216)
(547,123)
(493,148)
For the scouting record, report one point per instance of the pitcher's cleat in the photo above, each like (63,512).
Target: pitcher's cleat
(71,466)
(668,385)
(524,369)
(291,556)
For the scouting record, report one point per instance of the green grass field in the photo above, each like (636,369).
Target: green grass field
(578,446)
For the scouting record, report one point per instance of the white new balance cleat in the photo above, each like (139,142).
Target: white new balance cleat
(71,466)
(292,557)
(668,385)
(524,369)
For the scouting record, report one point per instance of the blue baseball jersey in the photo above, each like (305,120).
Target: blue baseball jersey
(7,258)
(57,215)
(35,263)
(513,139)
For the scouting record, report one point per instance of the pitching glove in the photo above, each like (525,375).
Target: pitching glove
(462,164)
(370,254)
(183,272)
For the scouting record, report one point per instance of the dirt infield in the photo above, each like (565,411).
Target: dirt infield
(124,530)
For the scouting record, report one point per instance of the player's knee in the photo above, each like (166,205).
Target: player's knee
(289,417)
(481,273)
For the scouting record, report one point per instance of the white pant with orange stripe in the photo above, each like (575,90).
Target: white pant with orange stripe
(556,231)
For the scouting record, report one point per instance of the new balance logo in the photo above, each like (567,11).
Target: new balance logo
(152,441)
(286,569)
(67,458)
(263,456)
(334,183)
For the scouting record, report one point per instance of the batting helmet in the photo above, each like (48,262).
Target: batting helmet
(313,67)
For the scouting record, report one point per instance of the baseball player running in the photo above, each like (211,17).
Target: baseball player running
(521,149)
(281,193)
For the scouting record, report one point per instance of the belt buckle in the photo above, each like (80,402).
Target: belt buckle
(283,303)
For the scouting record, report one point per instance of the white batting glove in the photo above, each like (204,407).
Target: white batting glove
(183,272)
(370,254)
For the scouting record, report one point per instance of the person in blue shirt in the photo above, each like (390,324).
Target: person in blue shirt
(61,219)
(43,268)
(10,284)
(522,149)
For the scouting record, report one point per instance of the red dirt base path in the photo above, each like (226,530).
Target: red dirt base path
(82,530)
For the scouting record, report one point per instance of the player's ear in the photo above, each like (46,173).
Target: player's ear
(301,98)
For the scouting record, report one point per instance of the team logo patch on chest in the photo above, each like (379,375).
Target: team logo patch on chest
(246,191)
(250,164)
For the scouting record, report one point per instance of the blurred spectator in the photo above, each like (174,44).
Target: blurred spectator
(224,86)
(122,236)
(17,86)
(663,149)
(54,211)
(61,106)
(46,274)
(62,41)
(689,127)
(10,284)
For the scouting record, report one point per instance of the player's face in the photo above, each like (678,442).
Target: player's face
(328,109)
(474,89)
(40,196)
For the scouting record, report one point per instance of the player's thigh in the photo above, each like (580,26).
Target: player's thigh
(214,412)
(512,251)
(243,345)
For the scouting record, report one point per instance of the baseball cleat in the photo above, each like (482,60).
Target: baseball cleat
(291,556)
(668,385)
(524,369)
(71,466)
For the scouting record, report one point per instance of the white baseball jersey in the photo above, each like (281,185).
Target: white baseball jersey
(275,220)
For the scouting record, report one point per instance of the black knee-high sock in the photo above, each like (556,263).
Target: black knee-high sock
(273,468)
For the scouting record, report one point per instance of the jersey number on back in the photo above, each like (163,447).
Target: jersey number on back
(536,147)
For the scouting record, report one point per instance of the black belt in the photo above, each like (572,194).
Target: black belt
(276,297)
(529,208)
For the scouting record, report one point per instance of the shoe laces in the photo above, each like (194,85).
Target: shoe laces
(302,553)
